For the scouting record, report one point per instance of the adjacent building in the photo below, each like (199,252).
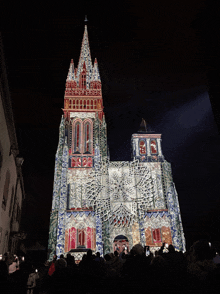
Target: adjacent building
(101,204)
(11,180)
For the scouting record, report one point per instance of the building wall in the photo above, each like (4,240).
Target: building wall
(8,178)
(11,181)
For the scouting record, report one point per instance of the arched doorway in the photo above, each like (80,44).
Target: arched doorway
(121,244)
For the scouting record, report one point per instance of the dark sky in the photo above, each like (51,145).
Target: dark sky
(157,60)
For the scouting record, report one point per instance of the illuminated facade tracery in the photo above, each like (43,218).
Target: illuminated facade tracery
(96,200)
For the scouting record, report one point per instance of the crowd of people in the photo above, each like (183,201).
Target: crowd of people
(138,271)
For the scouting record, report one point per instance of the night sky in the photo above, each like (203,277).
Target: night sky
(158,60)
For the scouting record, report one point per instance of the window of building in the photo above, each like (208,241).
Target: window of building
(6,190)
(77,137)
(142,147)
(156,236)
(81,237)
(153,146)
(87,137)
(83,80)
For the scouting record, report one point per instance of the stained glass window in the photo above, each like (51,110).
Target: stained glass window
(153,146)
(142,147)
(156,236)
(81,237)
(87,137)
(77,137)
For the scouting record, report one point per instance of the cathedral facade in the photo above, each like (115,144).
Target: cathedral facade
(102,204)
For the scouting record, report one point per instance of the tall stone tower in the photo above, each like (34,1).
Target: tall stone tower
(101,204)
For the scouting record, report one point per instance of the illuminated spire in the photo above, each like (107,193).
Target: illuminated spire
(95,72)
(71,73)
(85,56)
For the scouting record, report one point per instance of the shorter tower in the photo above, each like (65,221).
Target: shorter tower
(146,145)
(159,213)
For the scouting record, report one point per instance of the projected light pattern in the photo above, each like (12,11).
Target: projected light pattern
(94,199)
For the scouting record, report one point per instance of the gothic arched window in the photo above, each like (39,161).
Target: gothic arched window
(142,147)
(156,236)
(81,238)
(153,146)
(77,137)
(87,136)
(83,80)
